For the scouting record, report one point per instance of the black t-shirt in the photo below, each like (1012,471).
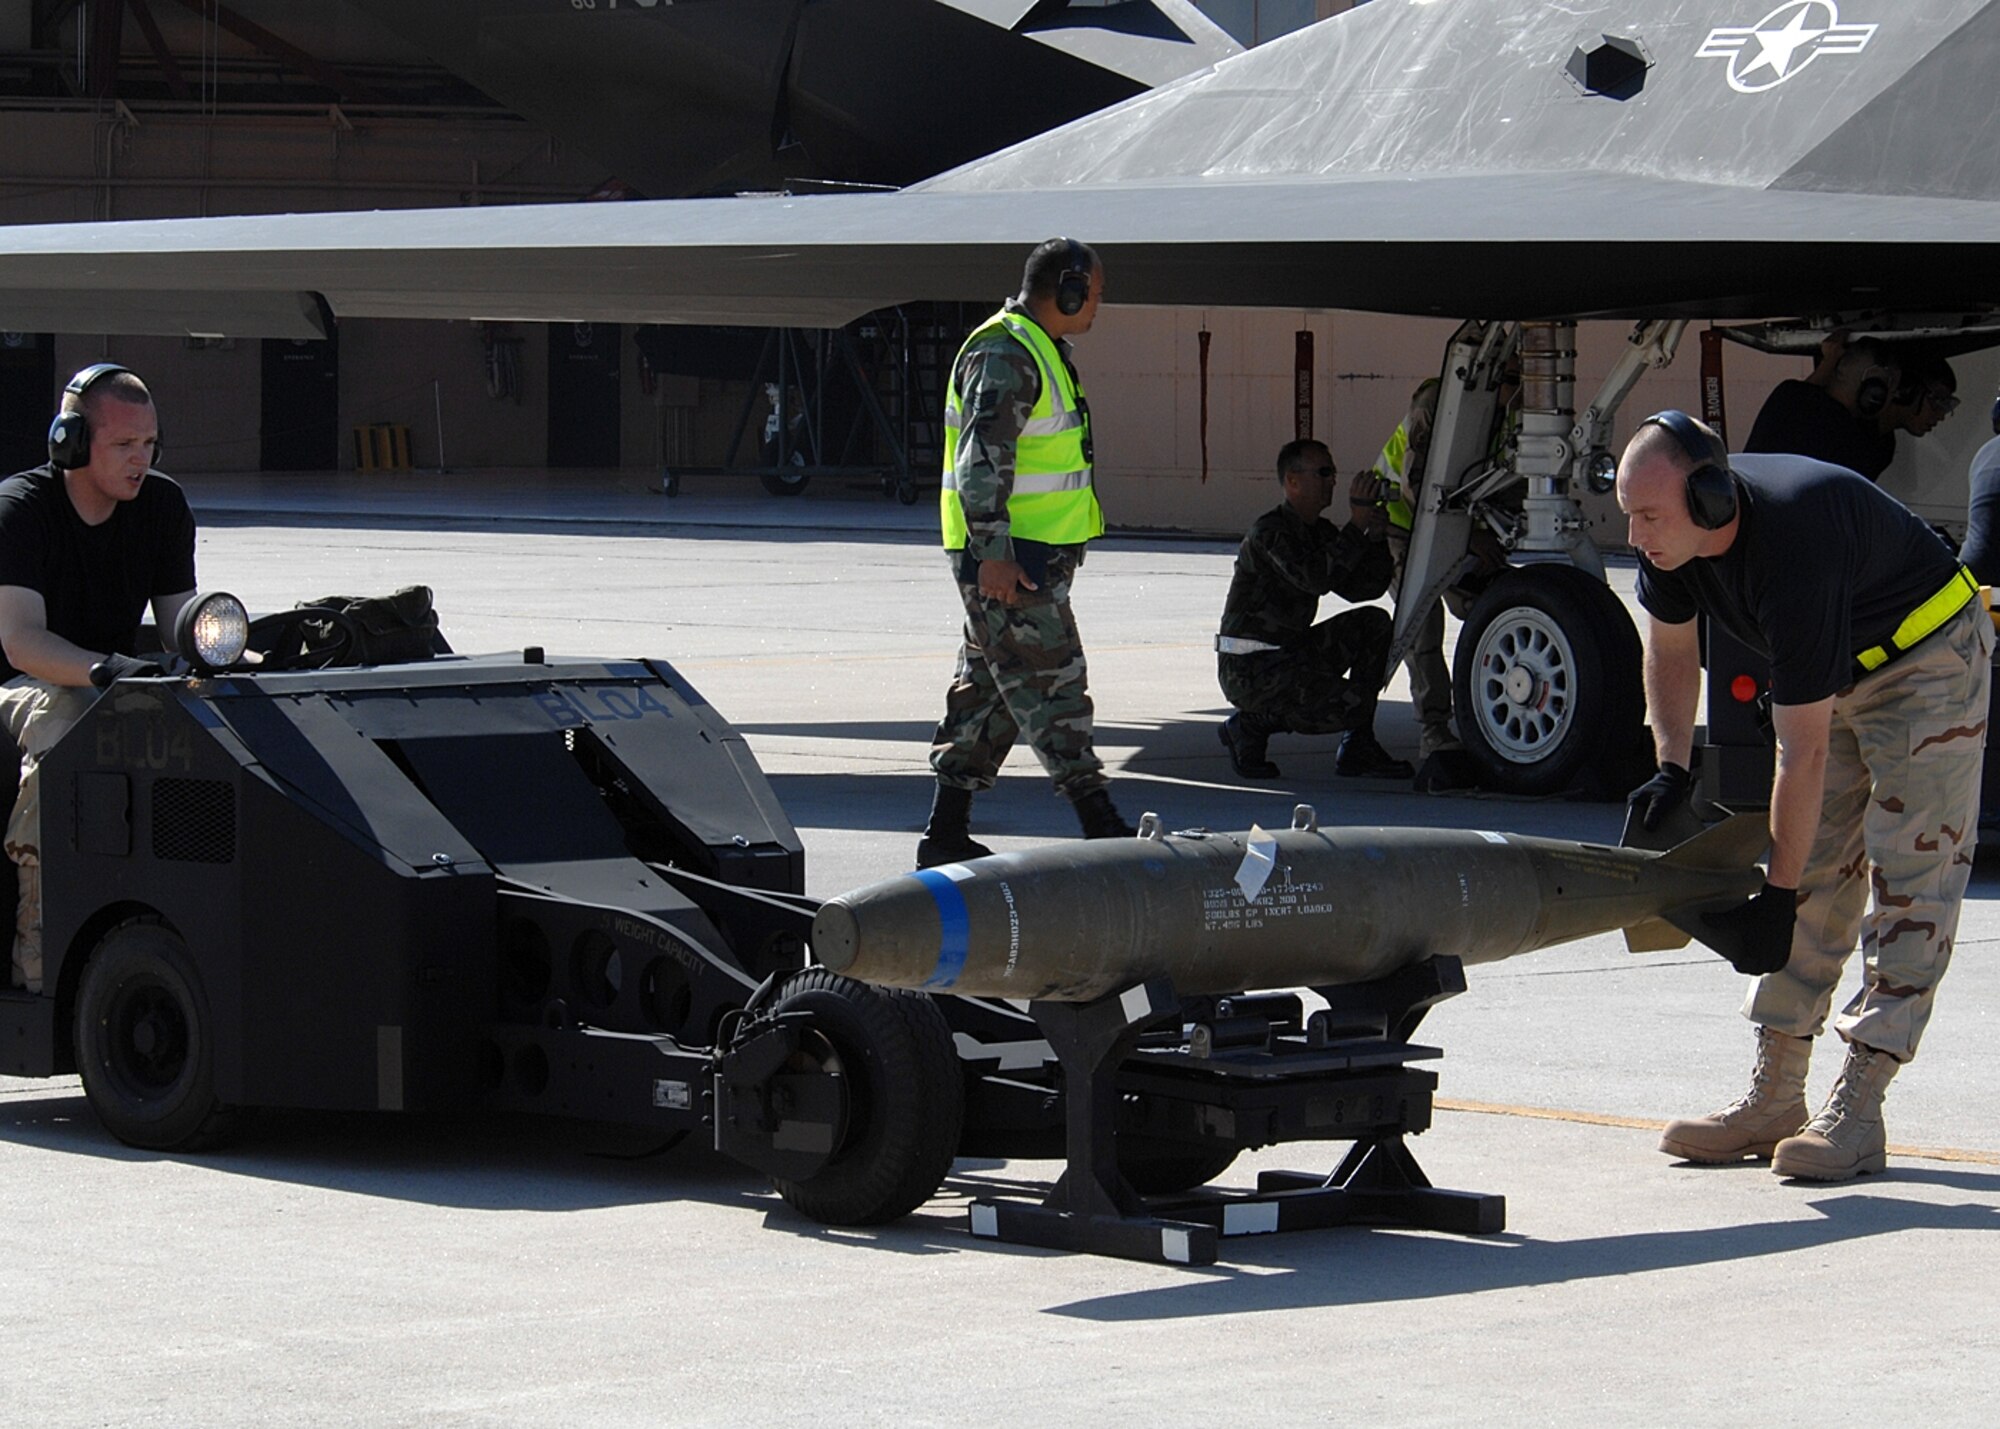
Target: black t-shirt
(1825,565)
(95,580)
(1981,550)
(1801,418)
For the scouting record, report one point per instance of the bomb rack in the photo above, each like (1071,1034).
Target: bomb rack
(1205,1077)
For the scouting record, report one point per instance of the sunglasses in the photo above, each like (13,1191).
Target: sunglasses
(1944,402)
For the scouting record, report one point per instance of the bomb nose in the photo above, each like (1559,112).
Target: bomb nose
(836,936)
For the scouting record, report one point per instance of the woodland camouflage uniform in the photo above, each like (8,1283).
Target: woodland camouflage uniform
(1021,670)
(1324,678)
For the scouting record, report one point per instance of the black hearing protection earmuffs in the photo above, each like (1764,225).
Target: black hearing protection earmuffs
(69,433)
(1711,486)
(1872,396)
(1073,287)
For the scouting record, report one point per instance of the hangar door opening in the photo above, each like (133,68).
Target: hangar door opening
(584,409)
(300,426)
(27,396)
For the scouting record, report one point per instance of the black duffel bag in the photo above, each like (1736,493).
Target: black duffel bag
(388,629)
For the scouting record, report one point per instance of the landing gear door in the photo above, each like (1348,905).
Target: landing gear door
(1461,441)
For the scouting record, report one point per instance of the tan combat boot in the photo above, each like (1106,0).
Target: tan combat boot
(1773,1109)
(1846,1139)
(1434,738)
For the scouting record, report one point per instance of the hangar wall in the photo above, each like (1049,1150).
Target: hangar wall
(1143,371)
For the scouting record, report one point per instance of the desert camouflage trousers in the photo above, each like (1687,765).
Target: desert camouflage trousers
(1324,683)
(1020,674)
(35,716)
(1899,819)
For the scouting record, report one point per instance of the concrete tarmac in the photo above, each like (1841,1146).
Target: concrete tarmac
(379,1270)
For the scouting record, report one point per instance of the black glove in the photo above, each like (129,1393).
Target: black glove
(1756,936)
(123,667)
(1655,798)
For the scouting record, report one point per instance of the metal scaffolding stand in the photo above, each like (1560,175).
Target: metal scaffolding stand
(1343,1076)
(864,400)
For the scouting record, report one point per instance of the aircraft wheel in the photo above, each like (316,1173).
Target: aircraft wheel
(1547,680)
(906,492)
(905,1098)
(783,481)
(145,1041)
(1161,1168)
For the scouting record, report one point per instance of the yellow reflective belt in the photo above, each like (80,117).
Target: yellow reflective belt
(1922,621)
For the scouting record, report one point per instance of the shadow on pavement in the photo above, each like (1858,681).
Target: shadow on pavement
(1987,1182)
(482,1161)
(910,734)
(1187,792)
(490,1161)
(1366,1267)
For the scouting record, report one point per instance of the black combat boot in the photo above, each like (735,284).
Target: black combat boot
(1100,817)
(1245,736)
(1362,755)
(946,838)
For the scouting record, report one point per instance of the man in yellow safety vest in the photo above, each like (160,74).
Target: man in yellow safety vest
(1018,508)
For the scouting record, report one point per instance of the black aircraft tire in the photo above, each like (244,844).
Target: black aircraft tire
(1547,679)
(1161,1168)
(784,483)
(906,1100)
(145,1041)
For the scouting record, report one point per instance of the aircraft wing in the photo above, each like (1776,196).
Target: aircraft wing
(1460,157)
(713,96)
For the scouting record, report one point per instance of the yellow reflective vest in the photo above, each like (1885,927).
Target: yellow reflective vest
(1053,500)
(1395,454)
(1395,457)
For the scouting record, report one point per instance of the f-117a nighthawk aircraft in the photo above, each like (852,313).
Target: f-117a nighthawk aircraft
(718,96)
(1821,162)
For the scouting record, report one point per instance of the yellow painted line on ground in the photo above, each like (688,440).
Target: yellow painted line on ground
(1540,1113)
(1640,1123)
